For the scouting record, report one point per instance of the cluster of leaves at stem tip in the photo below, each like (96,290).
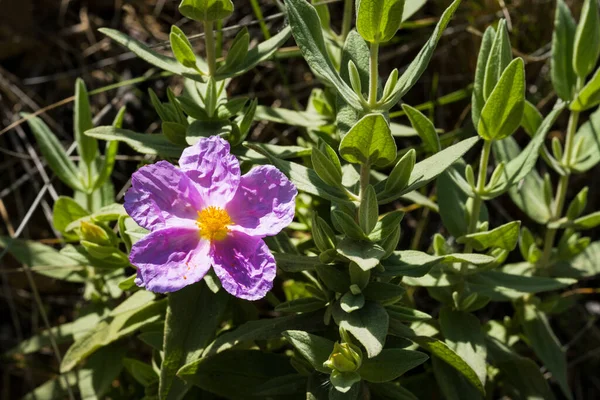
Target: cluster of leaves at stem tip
(348,327)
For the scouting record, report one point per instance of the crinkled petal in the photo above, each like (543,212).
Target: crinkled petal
(264,203)
(161,196)
(210,165)
(170,259)
(244,265)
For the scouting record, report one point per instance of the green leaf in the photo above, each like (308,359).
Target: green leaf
(583,265)
(252,369)
(238,50)
(185,340)
(416,263)
(378,20)
(369,326)
(503,110)
(306,28)
(264,329)
(54,153)
(477,97)
(206,10)
(406,314)
(175,132)
(586,222)
(545,344)
(499,58)
(284,385)
(428,169)
(147,54)
(532,118)
(44,259)
(503,237)
(384,293)
(390,364)
(589,96)
(505,286)
(368,211)
(99,372)
(348,225)
(182,48)
(303,119)
(563,39)
(350,302)
(518,168)
(111,212)
(366,255)
(333,278)
(110,155)
(152,144)
(452,384)
(304,178)
(464,335)
(64,333)
(65,211)
(528,195)
(295,262)
(143,373)
(369,142)
(522,375)
(257,54)
(386,226)
(315,349)
(302,305)
(424,128)
(356,52)
(420,62)
(400,175)
(122,322)
(392,391)
(453,208)
(587,40)
(443,352)
(326,168)
(589,151)
(82,121)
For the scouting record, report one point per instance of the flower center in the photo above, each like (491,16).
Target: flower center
(213,222)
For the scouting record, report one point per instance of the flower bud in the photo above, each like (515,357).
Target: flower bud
(345,357)
(93,233)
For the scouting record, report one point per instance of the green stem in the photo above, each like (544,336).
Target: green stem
(561,190)
(347,21)
(209,41)
(477,200)
(373,74)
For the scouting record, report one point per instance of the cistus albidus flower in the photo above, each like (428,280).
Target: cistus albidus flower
(205,214)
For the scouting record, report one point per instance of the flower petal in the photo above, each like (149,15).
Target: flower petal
(264,203)
(170,259)
(210,165)
(244,265)
(161,195)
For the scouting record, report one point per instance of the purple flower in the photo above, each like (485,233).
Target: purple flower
(204,213)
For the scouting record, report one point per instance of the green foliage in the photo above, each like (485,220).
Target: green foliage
(346,318)
(378,20)
(503,110)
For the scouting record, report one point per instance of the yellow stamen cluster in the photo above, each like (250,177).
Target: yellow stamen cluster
(213,222)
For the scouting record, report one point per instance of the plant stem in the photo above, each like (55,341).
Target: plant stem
(209,41)
(561,190)
(373,74)
(347,21)
(477,200)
